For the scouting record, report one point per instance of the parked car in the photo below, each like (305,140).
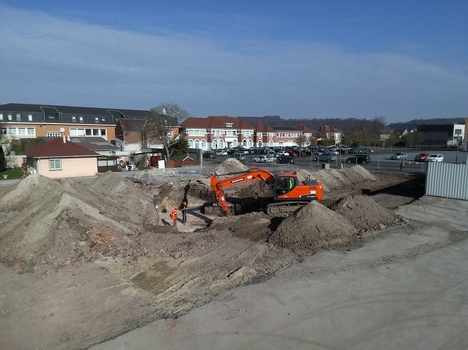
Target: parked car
(285,160)
(435,158)
(421,157)
(209,155)
(262,159)
(221,153)
(399,156)
(239,155)
(326,157)
(359,159)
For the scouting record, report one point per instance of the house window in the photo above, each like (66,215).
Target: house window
(18,117)
(73,119)
(103,119)
(31,131)
(55,164)
(96,120)
(30,117)
(81,119)
(53,134)
(10,117)
(1,116)
(103,132)
(95,132)
(77,132)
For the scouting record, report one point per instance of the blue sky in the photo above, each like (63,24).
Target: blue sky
(297,59)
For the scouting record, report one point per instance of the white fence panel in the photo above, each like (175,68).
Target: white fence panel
(447,180)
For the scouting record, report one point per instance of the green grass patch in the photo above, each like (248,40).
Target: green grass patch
(11,174)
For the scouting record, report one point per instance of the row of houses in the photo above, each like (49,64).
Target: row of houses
(123,128)
(112,134)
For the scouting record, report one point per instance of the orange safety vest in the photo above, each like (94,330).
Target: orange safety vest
(174,214)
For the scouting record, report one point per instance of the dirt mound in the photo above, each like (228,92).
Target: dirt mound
(230,165)
(364,213)
(314,227)
(27,191)
(334,179)
(73,221)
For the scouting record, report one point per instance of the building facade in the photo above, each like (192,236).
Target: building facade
(33,120)
(218,133)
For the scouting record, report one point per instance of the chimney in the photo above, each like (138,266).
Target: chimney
(64,139)
(68,138)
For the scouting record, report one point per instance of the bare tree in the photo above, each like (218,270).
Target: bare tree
(301,141)
(162,126)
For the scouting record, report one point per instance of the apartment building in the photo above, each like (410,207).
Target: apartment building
(36,120)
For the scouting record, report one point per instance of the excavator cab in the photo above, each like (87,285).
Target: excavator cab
(283,185)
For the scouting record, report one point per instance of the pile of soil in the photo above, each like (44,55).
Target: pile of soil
(364,213)
(230,165)
(71,221)
(314,227)
(335,179)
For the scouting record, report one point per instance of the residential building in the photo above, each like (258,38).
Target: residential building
(330,133)
(286,136)
(61,158)
(264,136)
(218,132)
(36,120)
(309,135)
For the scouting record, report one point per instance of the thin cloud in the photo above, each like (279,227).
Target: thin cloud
(86,64)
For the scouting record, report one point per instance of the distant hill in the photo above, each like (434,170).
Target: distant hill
(343,124)
(413,124)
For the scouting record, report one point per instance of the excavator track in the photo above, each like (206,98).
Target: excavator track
(284,208)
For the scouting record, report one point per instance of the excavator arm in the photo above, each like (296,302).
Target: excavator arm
(218,185)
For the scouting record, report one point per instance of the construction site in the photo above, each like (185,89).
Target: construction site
(84,261)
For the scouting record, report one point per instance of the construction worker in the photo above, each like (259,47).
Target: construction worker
(174,216)
(183,208)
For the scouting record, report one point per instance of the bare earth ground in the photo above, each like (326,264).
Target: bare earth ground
(84,261)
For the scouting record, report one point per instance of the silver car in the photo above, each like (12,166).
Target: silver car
(400,156)
(438,158)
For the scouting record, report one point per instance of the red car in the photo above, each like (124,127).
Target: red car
(421,157)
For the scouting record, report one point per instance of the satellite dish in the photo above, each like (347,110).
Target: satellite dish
(62,129)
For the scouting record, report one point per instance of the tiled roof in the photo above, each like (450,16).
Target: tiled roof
(304,128)
(94,143)
(58,147)
(328,129)
(263,128)
(216,122)
(125,113)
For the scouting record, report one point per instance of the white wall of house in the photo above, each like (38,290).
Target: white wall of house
(67,167)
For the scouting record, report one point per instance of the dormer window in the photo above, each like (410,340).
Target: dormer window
(228,125)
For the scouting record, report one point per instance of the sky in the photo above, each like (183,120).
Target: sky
(400,60)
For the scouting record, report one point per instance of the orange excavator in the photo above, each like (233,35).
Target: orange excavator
(288,193)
